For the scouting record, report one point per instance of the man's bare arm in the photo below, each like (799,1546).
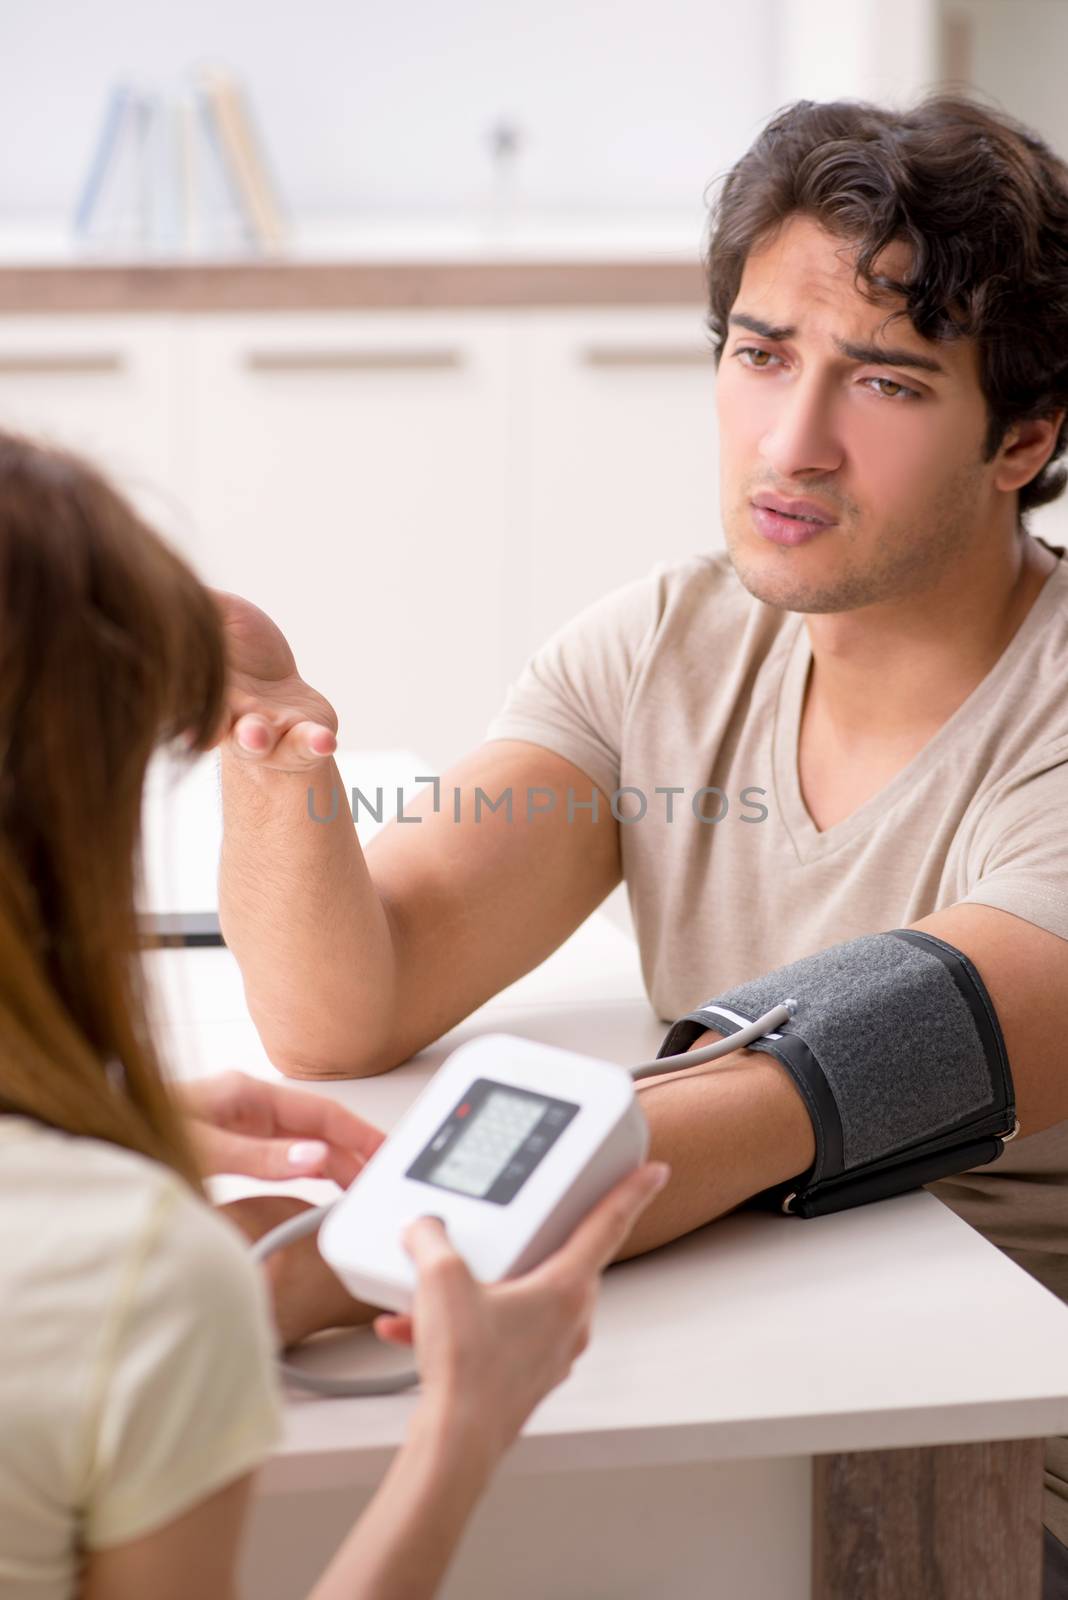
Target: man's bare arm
(300,913)
(354,961)
(733,1128)
(1024,970)
(730,1129)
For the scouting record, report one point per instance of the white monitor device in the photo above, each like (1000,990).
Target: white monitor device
(510,1144)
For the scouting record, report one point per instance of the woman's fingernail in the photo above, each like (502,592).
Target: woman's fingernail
(661,1174)
(306,1152)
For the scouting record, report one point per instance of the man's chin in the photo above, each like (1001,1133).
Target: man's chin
(790,591)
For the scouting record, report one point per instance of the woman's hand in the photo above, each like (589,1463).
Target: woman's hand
(488,1354)
(273,718)
(269,1130)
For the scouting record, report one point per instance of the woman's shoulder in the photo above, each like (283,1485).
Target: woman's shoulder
(144,1324)
(104,1216)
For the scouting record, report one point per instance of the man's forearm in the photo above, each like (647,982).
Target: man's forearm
(729,1129)
(301,914)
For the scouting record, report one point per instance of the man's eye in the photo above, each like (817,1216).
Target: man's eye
(892,390)
(751,356)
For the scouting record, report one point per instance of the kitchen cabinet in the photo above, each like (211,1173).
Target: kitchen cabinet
(105,386)
(418,496)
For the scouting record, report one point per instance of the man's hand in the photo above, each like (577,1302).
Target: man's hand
(273,718)
(305,1295)
(269,1130)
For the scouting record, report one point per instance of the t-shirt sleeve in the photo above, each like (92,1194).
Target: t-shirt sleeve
(571,695)
(1018,857)
(188,1400)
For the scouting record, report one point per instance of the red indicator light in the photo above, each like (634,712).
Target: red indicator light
(463,1110)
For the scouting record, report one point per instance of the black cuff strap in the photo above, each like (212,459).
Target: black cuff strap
(900,1061)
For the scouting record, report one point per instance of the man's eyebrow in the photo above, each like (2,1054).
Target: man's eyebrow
(880,355)
(739,319)
(873,355)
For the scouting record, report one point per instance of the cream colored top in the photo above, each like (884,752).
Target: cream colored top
(682,681)
(137,1371)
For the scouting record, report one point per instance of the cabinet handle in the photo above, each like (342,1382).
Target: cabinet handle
(44,362)
(645,355)
(351,360)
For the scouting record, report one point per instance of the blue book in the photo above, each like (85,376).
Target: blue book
(103,156)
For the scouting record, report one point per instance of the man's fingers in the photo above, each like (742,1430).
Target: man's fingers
(600,1235)
(305,743)
(394,1329)
(253,735)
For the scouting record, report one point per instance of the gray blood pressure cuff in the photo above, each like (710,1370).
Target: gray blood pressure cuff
(898,1054)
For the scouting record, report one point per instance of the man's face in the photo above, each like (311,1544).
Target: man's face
(829,411)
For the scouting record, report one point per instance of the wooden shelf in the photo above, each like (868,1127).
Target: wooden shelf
(337,286)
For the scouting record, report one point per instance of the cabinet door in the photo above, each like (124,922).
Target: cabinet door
(104,386)
(348,476)
(616,456)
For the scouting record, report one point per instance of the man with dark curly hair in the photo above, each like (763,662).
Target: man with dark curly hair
(854,721)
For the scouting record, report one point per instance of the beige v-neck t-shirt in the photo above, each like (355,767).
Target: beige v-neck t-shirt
(683,682)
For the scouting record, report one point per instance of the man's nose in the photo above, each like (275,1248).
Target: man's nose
(802,437)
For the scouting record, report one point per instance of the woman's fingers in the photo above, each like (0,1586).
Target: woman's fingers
(444,1276)
(274,1159)
(278,1160)
(428,1244)
(257,1108)
(304,1113)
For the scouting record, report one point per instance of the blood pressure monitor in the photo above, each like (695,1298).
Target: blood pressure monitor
(510,1144)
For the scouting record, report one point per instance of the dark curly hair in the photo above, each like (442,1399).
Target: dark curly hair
(981,201)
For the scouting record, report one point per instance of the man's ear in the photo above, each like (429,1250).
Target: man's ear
(1025,449)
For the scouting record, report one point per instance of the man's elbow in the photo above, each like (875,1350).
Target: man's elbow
(313,1069)
(321,1054)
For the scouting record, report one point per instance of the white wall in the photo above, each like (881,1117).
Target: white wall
(627,105)
(1016,52)
(858,49)
(1013,52)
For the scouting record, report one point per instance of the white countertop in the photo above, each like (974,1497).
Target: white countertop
(758,1336)
(472,237)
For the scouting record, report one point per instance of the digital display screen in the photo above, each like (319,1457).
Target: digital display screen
(495,1131)
(495,1136)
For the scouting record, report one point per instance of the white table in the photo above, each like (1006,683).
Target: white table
(757,1408)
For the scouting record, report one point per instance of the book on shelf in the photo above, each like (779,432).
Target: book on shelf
(111,205)
(242,155)
(180,174)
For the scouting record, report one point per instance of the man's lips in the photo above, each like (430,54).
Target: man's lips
(809,511)
(789,522)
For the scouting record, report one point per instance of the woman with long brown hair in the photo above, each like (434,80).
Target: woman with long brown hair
(137,1392)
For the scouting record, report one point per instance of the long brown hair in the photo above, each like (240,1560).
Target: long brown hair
(109,646)
(981,201)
